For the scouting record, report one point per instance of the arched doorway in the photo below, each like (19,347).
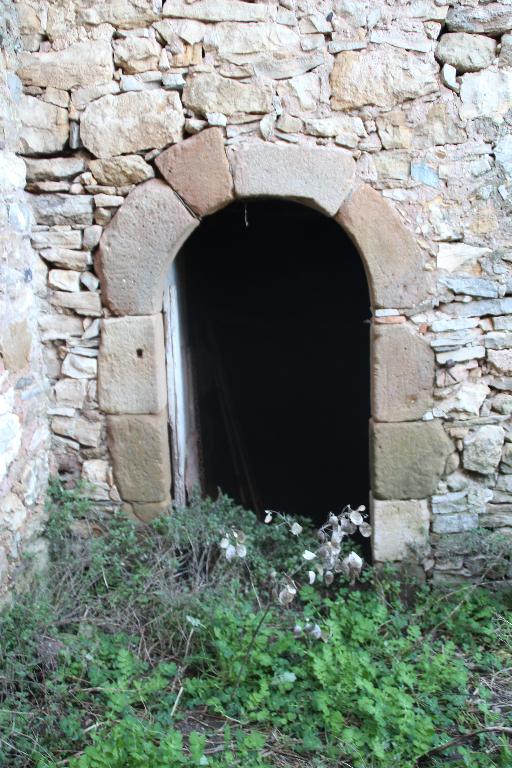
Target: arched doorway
(275,326)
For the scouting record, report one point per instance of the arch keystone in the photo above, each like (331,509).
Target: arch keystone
(138,246)
(393,261)
(320,177)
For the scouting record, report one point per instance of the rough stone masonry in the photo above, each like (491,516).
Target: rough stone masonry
(102,101)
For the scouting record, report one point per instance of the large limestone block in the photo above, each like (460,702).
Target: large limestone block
(44,127)
(383,76)
(393,262)
(209,92)
(402,374)
(216,10)
(486,94)
(198,170)
(138,245)
(66,15)
(316,176)
(408,459)
(42,169)
(118,171)
(400,529)
(230,38)
(81,64)
(467,53)
(139,446)
(131,365)
(490,19)
(117,125)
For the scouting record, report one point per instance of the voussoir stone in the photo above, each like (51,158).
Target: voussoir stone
(198,170)
(118,171)
(408,459)
(138,245)
(467,53)
(393,261)
(139,446)
(131,365)
(490,19)
(320,177)
(80,64)
(129,122)
(208,92)
(402,374)
(44,127)
(383,76)
(400,529)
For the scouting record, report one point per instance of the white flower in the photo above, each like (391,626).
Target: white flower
(365,530)
(224,543)
(329,578)
(315,632)
(241,550)
(308,555)
(230,552)
(352,566)
(356,517)
(311,577)
(296,529)
(287,594)
(268,516)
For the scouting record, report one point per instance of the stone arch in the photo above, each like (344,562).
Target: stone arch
(199,177)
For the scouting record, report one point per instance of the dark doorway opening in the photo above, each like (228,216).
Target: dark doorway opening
(275,304)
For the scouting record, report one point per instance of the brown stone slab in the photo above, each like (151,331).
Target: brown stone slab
(198,170)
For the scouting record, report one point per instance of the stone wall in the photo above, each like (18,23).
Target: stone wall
(24,433)
(418,93)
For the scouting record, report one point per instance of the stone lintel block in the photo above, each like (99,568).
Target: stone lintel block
(139,446)
(131,365)
(319,177)
(392,260)
(198,170)
(402,374)
(408,459)
(400,529)
(138,245)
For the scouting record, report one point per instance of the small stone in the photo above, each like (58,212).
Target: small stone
(498,340)
(490,19)
(206,92)
(217,119)
(44,127)
(102,216)
(131,122)
(459,257)
(15,345)
(480,308)
(482,449)
(503,404)
(466,400)
(57,238)
(460,355)
(503,153)
(90,281)
(464,521)
(471,286)
(96,475)
(78,367)
(486,94)
(136,54)
(118,171)
(42,169)
(70,392)
(449,503)
(80,64)
(501,360)
(425,174)
(83,302)
(62,209)
(81,97)
(64,279)
(381,76)
(92,236)
(334,126)
(289,124)
(276,67)
(68,259)
(173,81)
(467,53)
(55,327)
(449,78)
(108,201)
(505,59)
(85,432)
